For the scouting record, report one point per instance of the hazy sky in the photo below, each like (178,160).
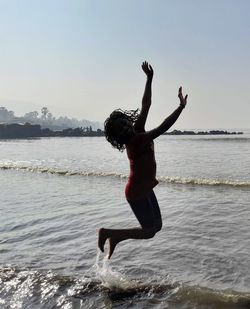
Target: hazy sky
(82,58)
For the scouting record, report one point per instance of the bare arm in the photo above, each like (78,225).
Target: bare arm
(146,99)
(170,120)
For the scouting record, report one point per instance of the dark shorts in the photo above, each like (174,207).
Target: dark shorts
(147,211)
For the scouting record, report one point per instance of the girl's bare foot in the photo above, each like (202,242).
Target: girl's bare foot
(112,244)
(102,237)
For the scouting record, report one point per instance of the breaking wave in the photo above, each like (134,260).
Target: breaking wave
(204,181)
(59,172)
(161,179)
(24,288)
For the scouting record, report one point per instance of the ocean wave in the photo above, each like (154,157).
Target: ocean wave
(200,181)
(59,172)
(25,288)
(203,181)
(218,139)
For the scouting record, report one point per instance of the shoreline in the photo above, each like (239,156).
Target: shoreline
(27,130)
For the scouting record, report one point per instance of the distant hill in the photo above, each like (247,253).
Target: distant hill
(47,120)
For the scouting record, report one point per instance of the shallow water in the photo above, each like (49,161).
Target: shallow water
(57,192)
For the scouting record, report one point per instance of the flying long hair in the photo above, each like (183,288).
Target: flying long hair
(111,134)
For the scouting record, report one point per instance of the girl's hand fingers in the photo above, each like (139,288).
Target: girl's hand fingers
(180,94)
(147,69)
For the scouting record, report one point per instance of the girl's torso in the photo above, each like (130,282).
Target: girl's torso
(140,152)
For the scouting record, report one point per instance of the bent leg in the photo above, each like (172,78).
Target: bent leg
(117,235)
(156,212)
(148,214)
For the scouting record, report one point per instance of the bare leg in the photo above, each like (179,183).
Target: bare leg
(116,236)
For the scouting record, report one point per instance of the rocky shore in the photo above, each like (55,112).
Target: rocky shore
(27,130)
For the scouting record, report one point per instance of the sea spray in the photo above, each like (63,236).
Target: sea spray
(111,279)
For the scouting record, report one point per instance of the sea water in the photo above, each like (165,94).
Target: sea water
(57,192)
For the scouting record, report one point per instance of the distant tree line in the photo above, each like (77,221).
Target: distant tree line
(27,130)
(47,120)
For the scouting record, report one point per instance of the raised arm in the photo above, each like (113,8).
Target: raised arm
(146,99)
(170,120)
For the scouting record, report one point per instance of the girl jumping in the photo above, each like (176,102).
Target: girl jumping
(126,130)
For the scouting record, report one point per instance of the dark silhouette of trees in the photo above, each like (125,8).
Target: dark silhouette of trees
(47,120)
(6,115)
(44,112)
(31,116)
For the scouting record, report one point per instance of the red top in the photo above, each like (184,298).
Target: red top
(140,151)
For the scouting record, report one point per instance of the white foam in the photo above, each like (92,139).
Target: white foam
(162,179)
(203,181)
(110,278)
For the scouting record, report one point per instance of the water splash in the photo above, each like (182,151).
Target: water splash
(111,279)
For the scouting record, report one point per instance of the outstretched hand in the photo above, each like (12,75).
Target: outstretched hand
(183,101)
(147,69)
